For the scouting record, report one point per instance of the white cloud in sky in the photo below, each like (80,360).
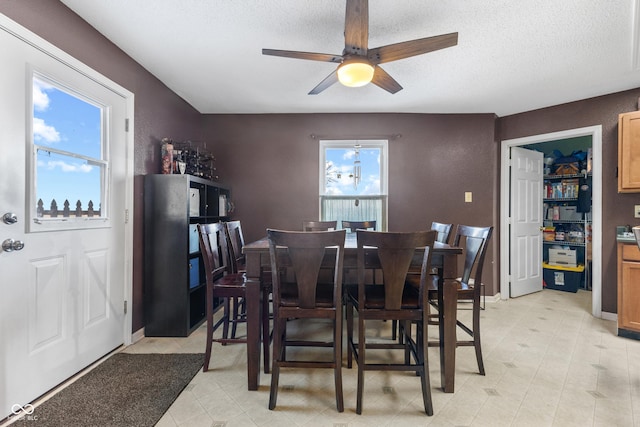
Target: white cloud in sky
(66,167)
(42,132)
(40,97)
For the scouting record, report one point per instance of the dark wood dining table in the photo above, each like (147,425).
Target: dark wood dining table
(444,257)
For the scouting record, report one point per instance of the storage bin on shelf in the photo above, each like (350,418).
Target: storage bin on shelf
(562,257)
(562,278)
(549,234)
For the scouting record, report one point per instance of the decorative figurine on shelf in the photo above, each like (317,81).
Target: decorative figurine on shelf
(167,156)
(188,157)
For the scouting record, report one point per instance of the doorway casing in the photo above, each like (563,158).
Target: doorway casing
(596,208)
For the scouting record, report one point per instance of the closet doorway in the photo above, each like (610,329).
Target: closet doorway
(557,139)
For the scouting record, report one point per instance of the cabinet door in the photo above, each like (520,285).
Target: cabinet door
(629,309)
(629,152)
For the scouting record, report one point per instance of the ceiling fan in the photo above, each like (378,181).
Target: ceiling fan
(360,65)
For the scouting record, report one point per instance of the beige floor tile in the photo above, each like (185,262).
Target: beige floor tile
(548,363)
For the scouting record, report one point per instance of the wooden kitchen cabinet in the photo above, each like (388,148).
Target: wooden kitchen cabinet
(628,290)
(629,152)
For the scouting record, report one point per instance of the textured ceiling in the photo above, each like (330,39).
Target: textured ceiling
(512,56)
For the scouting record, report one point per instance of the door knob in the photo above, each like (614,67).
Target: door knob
(10,245)
(10,218)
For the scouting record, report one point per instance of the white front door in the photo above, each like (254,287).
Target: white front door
(62,294)
(526,221)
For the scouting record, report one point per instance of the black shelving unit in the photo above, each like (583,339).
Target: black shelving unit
(174,283)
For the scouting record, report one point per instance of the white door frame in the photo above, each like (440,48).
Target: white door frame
(596,207)
(51,50)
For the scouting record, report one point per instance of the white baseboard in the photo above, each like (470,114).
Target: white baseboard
(609,316)
(492,298)
(137,335)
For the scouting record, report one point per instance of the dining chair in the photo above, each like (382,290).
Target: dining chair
(319,225)
(393,254)
(352,226)
(475,241)
(296,258)
(235,243)
(221,284)
(444,231)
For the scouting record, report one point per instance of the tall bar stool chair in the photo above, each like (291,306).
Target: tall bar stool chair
(301,298)
(443,230)
(221,283)
(475,241)
(390,301)
(319,225)
(235,243)
(352,226)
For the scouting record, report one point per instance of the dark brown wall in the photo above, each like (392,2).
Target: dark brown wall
(271,161)
(159,112)
(617,209)
(271,164)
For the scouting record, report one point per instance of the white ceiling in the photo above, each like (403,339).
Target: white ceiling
(512,56)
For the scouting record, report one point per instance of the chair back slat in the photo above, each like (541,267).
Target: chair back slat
(475,240)
(352,226)
(235,243)
(306,263)
(395,252)
(304,253)
(319,225)
(213,246)
(444,231)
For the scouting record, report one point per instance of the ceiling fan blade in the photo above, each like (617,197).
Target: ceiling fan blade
(356,27)
(312,56)
(328,81)
(382,79)
(402,50)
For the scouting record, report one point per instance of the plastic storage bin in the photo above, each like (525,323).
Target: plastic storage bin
(562,278)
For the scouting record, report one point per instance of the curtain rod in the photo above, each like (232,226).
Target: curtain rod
(360,137)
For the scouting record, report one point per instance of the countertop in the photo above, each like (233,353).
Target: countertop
(623,236)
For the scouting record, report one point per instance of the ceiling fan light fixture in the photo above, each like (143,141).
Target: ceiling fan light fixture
(355,72)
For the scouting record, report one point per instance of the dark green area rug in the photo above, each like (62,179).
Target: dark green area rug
(125,390)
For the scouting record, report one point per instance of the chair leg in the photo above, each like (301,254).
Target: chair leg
(266,336)
(422,344)
(226,318)
(278,351)
(349,310)
(360,361)
(404,327)
(207,354)
(476,333)
(337,359)
(239,310)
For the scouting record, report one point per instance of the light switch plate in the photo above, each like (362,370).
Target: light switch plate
(636,211)
(468,197)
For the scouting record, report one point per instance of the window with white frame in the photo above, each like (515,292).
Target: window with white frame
(353,181)
(69,166)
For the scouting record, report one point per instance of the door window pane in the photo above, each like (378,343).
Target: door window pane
(69,167)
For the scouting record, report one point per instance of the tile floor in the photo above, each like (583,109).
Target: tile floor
(548,363)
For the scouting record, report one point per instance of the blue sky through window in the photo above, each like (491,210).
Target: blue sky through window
(66,123)
(340,161)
